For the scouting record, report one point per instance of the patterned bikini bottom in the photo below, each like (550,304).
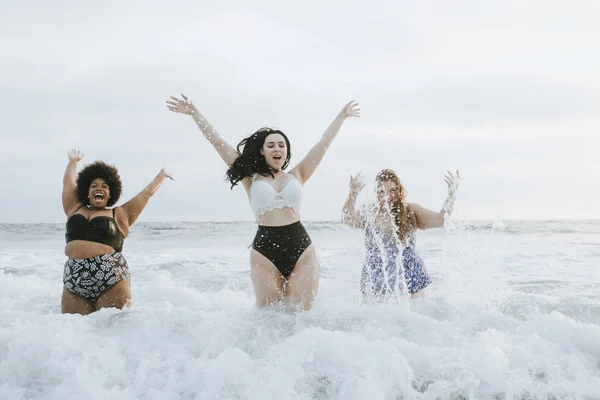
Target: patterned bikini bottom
(89,277)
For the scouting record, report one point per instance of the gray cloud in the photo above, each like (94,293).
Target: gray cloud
(493,88)
(493,100)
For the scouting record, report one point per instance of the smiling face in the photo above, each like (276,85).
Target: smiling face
(387,191)
(274,151)
(389,188)
(99,193)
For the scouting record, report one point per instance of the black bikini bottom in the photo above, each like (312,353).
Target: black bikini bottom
(282,245)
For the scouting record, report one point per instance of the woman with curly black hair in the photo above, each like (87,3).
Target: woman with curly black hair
(283,262)
(96,274)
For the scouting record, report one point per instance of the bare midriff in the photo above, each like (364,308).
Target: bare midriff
(279,217)
(77,249)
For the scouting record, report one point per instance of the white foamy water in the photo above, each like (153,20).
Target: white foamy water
(513,313)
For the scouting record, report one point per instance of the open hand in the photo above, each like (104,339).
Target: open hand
(356,183)
(75,155)
(350,110)
(184,106)
(452,181)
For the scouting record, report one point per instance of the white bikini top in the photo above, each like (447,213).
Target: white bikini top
(263,197)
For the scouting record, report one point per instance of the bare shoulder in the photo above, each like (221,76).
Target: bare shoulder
(296,174)
(119,212)
(122,220)
(414,208)
(247,184)
(413,211)
(74,209)
(121,216)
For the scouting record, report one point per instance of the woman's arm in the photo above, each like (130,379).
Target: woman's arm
(430,219)
(350,215)
(136,205)
(69,194)
(185,106)
(309,164)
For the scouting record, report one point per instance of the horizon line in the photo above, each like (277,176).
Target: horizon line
(559,219)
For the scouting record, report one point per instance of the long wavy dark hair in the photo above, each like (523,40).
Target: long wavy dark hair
(398,208)
(99,169)
(250,161)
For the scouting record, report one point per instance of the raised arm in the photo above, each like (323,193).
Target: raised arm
(430,219)
(69,194)
(185,106)
(350,215)
(132,209)
(309,164)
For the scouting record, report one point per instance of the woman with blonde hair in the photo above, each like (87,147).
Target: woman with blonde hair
(390,226)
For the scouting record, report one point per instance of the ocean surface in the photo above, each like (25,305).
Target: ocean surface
(513,313)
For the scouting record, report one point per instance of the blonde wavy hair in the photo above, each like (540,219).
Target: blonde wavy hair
(397,207)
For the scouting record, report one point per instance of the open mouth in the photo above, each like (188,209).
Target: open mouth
(99,196)
(277,158)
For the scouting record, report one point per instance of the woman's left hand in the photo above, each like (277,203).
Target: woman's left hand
(452,181)
(164,174)
(350,110)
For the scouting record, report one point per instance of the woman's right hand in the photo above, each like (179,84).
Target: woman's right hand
(75,155)
(184,106)
(356,183)
(452,181)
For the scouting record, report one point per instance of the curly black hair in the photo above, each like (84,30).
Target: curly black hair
(99,169)
(250,161)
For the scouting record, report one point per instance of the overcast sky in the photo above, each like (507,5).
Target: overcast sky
(506,91)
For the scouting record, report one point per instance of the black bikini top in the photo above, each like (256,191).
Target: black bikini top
(99,230)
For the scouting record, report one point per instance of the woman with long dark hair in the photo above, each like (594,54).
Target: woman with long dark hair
(390,226)
(283,261)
